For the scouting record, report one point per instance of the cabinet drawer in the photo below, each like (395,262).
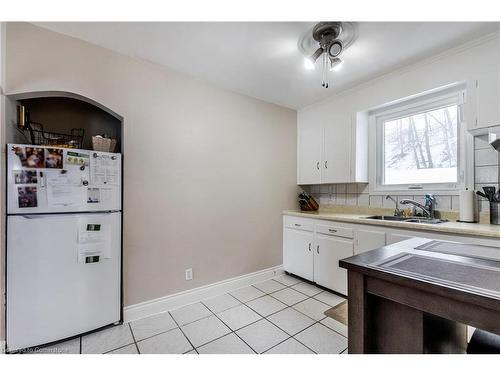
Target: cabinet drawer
(334,230)
(299,223)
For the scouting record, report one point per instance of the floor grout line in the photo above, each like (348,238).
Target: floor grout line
(133,336)
(291,306)
(286,333)
(180,329)
(341,334)
(230,331)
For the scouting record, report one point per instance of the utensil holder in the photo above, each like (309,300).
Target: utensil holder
(494,213)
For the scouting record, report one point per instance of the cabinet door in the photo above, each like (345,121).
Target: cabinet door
(297,252)
(337,149)
(368,240)
(309,153)
(488,97)
(328,251)
(394,238)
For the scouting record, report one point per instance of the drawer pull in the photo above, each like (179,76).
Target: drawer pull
(317,249)
(297,225)
(317,165)
(309,246)
(332,230)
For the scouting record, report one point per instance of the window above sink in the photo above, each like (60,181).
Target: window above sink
(418,143)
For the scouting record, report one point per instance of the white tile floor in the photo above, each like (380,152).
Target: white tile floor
(282,316)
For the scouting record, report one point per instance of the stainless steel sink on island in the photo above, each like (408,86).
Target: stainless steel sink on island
(430,290)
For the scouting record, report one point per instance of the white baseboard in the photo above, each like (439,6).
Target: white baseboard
(2,347)
(174,301)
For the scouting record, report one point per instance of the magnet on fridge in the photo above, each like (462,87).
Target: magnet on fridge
(92,259)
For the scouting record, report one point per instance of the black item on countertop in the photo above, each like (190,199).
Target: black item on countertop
(489,191)
(490,194)
(483,342)
(494,213)
(307,202)
(493,197)
(481,194)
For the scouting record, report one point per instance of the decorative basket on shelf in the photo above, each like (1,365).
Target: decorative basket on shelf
(41,137)
(103,144)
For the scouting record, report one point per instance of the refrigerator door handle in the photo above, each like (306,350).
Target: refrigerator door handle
(59,214)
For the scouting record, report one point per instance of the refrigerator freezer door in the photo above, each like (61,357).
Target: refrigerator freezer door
(42,179)
(52,292)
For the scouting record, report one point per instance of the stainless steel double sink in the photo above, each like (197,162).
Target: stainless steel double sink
(411,219)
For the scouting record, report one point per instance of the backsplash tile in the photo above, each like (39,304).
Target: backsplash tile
(363,200)
(487,173)
(375,201)
(485,157)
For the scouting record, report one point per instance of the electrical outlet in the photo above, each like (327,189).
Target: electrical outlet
(189,274)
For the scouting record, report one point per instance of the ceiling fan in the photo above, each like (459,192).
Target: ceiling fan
(326,42)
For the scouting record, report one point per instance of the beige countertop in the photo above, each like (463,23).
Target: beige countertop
(451,227)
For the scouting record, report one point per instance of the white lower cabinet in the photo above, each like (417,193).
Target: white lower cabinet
(312,248)
(313,251)
(367,240)
(328,251)
(297,254)
(393,238)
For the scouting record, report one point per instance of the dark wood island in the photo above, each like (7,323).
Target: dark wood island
(418,296)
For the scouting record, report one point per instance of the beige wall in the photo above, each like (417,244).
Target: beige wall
(207,171)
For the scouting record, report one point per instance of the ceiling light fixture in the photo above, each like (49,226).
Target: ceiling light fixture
(328,40)
(336,64)
(308,64)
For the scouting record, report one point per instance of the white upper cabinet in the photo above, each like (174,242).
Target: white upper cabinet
(310,146)
(487,98)
(336,151)
(332,147)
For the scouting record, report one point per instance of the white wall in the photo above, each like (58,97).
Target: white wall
(207,171)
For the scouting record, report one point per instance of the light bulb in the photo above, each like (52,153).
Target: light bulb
(336,64)
(308,64)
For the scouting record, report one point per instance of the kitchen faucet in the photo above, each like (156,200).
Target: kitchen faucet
(397,210)
(427,209)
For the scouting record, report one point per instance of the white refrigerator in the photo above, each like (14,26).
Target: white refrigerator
(64,228)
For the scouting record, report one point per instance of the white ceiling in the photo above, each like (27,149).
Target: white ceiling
(261,59)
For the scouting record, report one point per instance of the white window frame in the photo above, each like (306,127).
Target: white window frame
(422,103)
